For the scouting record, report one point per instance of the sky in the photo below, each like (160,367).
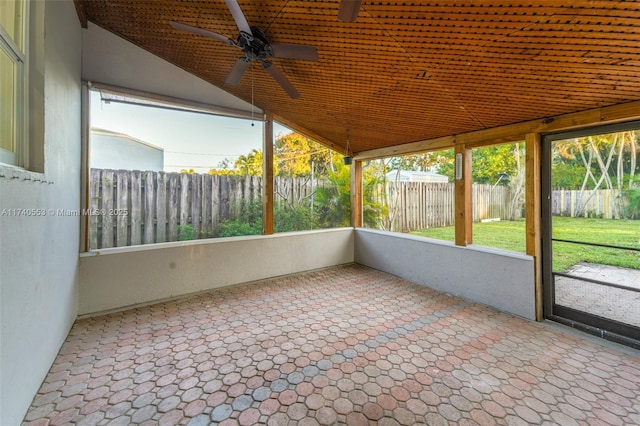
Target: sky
(190,140)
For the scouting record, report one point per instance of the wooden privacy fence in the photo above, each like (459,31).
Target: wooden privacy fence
(599,203)
(420,205)
(490,201)
(130,207)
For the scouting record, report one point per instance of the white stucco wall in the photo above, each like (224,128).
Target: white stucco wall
(120,277)
(493,277)
(117,151)
(39,255)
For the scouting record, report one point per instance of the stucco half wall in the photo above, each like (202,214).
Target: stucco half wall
(121,277)
(497,278)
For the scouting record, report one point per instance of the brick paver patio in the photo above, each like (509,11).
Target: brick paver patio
(346,345)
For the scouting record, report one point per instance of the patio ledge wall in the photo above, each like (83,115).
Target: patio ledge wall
(117,278)
(493,277)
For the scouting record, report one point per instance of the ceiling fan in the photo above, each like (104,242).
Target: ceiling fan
(256,47)
(348,11)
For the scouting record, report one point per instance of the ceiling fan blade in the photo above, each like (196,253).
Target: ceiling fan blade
(294,51)
(349,10)
(281,79)
(238,16)
(195,30)
(237,71)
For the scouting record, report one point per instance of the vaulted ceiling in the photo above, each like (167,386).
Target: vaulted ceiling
(404,71)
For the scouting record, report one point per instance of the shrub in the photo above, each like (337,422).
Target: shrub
(298,218)
(632,209)
(235,228)
(186,232)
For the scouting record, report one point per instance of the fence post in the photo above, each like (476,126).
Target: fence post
(122,203)
(95,203)
(172,207)
(135,209)
(149,197)
(195,192)
(108,187)
(205,222)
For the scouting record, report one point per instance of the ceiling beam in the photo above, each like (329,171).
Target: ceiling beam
(513,132)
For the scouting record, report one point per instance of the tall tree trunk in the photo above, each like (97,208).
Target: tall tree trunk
(588,175)
(394,205)
(517,187)
(619,198)
(633,144)
(604,169)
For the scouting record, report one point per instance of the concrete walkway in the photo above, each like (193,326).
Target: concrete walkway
(346,345)
(617,304)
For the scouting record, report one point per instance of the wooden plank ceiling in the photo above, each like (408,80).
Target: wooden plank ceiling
(405,71)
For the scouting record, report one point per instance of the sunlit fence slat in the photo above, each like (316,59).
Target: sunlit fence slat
(106,222)
(149,182)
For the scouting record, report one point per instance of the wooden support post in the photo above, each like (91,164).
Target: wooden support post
(267,176)
(463,180)
(356,194)
(533,215)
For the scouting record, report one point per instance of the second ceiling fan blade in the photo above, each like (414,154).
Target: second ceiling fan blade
(238,16)
(349,10)
(294,51)
(281,79)
(237,71)
(195,30)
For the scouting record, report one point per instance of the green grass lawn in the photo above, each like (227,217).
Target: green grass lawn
(510,235)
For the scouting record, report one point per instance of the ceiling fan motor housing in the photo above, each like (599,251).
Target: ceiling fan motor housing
(255,45)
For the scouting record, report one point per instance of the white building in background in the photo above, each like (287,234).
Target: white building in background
(415,176)
(118,151)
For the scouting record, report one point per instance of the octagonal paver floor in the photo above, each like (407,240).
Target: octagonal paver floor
(346,345)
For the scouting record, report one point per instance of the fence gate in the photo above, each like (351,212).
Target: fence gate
(591,278)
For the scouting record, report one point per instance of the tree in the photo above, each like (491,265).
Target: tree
(566,174)
(250,164)
(334,200)
(295,155)
(223,168)
(516,182)
(422,162)
(627,205)
(490,163)
(609,161)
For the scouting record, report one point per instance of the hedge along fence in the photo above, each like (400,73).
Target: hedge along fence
(132,207)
